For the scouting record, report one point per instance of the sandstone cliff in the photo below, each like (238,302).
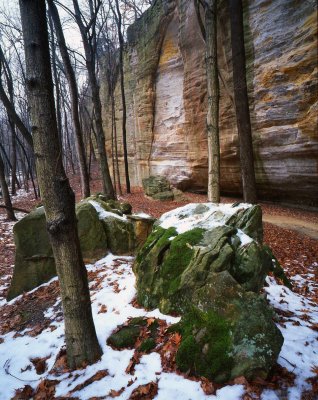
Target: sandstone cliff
(166,98)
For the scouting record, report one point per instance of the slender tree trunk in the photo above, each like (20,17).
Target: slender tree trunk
(113,153)
(29,166)
(90,59)
(70,75)
(8,162)
(241,101)
(5,193)
(108,188)
(123,97)
(213,102)
(58,198)
(68,158)
(56,84)
(116,148)
(13,157)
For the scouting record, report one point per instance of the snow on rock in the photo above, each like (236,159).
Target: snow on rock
(203,215)
(103,213)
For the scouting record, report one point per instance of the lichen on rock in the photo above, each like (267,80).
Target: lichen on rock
(198,263)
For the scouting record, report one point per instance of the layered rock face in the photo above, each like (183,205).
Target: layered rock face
(165,86)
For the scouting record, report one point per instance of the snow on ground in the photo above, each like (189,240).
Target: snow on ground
(299,353)
(16,352)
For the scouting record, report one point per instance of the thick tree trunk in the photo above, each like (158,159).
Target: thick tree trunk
(70,75)
(241,102)
(5,193)
(58,198)
(213,102)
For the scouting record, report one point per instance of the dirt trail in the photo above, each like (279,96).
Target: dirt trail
(304,227)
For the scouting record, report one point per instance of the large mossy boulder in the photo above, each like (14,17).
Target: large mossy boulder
(208,264)
(102,226)
(91,233)
(34,262)
(119,229)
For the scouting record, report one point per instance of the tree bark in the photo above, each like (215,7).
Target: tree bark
(213,102)
(90,60)
(58,198)
(241,101)
(70,75)
(123,97)
(5,193)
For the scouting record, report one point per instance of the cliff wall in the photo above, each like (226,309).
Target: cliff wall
(165,86)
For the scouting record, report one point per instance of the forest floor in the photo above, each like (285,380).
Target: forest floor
(32,356)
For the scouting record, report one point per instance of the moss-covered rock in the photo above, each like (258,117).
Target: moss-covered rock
(147,345)
(251,265)
(124,338)
(91,232)
(249,220)
(256,341)
(206,345)
(162,196)
(34,262)
(211,274)
(114,206)
(156,184)
(159,266)
(120,234)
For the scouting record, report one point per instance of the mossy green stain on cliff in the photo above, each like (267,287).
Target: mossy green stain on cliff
(206,345)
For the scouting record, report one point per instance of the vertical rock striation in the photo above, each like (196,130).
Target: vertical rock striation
(166,98)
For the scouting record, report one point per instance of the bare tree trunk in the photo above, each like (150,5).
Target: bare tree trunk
(7,160)
(5,193)
(116,148)
(122,88)
(68,158)
(29,166)
(13,157)
(241,102)
(70,75)
(213,102)
(58,198)
(89,43)
(56,83)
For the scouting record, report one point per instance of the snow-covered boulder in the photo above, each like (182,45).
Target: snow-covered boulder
(102,226)
(207,263)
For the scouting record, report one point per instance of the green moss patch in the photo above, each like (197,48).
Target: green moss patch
(206,345)
(147,345)
(178,258)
